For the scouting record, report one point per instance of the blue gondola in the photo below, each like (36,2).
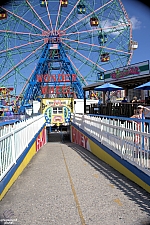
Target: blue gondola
(102,38)
(81,9)
(64,3)
(43,3)
(100,76)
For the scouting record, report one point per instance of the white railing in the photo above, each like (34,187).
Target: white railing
(13,117)
(14,138)
(129,138)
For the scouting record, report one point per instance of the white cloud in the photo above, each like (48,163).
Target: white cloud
(108,25)
(136,24)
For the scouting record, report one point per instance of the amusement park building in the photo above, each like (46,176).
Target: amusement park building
(127,77)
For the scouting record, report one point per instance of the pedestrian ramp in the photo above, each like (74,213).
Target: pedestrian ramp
(66,184)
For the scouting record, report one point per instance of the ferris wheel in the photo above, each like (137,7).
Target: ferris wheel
(95,36)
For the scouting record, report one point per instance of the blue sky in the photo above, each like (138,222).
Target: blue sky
(139,14)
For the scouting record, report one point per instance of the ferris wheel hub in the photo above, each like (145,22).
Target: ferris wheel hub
(53,36)
(52,40)
(53,33)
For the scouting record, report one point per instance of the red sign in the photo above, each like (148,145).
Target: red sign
(53,33)
(41,139)
(56,78)
(79,138)
(52,40)
(56,90)
(125,72)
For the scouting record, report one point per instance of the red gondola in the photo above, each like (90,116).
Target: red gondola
(105,57)
(94,21)
(64,3)
(3,15)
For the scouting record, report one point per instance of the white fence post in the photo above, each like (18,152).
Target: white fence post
(13,147)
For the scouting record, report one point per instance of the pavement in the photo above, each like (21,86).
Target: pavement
(65,184)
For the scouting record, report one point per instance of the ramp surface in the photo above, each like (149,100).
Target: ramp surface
(65,184)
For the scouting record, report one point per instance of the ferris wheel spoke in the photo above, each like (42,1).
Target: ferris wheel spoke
(12,74)
(22,19)
(58,14)
(27,1)
(2,64)
(23,60)
(96,29)
(20,46)
(69,14)
(85,82)
(49,16)
(97,46)
(22,66)
(20,33)
(18,71)
(26,83)
(82,60)
(89,60)
(88,15)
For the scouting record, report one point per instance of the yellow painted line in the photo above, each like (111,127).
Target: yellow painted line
(118,202)
(111,185)
(74,192)
(95,175)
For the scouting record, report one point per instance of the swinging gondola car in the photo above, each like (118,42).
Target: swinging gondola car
(133,45)
(43,3)
(102,38)
(81,9)
(64,3)
(3,14)
(105,57)
(100,76)
(94,21)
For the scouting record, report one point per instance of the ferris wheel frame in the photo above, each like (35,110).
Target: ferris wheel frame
(87,43)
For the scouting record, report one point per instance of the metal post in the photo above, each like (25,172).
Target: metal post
(142,131)
(84,101)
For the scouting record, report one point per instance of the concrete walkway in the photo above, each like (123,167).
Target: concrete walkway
(67,185)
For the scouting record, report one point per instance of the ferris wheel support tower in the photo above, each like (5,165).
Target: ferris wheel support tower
(53,71)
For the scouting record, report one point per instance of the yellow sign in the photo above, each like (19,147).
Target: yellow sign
(57,110)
